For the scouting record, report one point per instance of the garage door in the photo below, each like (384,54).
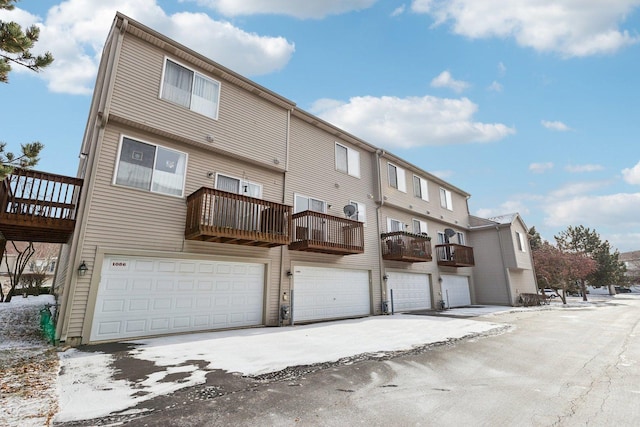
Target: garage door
(327,293)
(152,296)
(455,291)
(411,291)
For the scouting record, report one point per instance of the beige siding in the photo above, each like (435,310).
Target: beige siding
(522,282)
(313,173)
(247,124)
(490,273)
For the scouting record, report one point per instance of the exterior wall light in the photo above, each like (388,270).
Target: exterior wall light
(82,270)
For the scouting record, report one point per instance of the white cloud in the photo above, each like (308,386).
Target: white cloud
(558,126)
(502,69)
(445,79)
(575,189)
(568,27)
(75,30)
(615,210)
(540,167)
(398,10)
(583,168)
(296,8)
(410,122)
(495,87)
(632,175)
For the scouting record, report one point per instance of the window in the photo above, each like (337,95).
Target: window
(445,199)
(460,237)
(420,188)
(361,214)
(441,238)
(304,203)
(238,186)
(521,244)
(192,90)
(150,167)
(347,160)
(394,225)
(397,178)
(419,226)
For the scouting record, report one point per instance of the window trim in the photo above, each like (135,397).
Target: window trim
(361,209)
(401,177)
(353,160)
(150,190)
(447,201)
(402,224)
(295,204)
(424,188)
(242,183)
(521,244)
(420,222)
(204,76)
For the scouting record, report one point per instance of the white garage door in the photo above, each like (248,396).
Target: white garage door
(152,296)
(455,291)
(327,293)
(411,291)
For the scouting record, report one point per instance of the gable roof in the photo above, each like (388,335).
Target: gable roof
(496,221)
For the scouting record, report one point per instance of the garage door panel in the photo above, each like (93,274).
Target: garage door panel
(149,297)
(455,291)
(411,291)
(327,293)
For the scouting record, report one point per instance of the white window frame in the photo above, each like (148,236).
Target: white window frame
(461,238)
(361,211)
(192,106)
(401,179)
(390,227)
(421,226)
(153,168)
(446,200)
(521,243)
(422,188)
(242,182)
(352,161)
(309,199)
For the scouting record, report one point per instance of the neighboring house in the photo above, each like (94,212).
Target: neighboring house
(632,263)
(211,202)
(42,263)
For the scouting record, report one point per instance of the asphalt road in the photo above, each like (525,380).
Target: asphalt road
(569,367)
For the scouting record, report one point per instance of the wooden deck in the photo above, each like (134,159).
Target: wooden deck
(322,233)
(406,247)
(454,255)
(38,206)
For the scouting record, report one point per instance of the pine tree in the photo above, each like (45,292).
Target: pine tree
(26,159)
(16,45)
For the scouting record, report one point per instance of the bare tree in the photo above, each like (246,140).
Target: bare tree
(41,267)
(15,271)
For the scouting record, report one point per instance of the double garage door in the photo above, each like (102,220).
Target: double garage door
(322,293)
(455,290)
(151,296)
(409,291)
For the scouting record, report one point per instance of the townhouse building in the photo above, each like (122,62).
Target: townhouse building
(210,202)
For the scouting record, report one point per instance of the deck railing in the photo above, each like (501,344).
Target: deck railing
(406,247)
(320,232)
(38,206)
(219,216)
(454,255)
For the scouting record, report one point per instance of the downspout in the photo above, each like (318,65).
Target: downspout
(281,296)
(100,121)
(380,202)
(504,269)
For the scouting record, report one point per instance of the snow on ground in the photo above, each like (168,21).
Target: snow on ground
(29,365)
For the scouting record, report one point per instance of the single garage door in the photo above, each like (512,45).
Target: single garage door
(321,293)
(455,291)
(151,296)
(411,291)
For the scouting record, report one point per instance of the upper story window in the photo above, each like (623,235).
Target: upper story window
(361,213)
(150,167)
(394,225)
(347,160)
(190,89)
(397,178)
(303,203)
(445,199)
(419,226)
(420,188)
(238,186)
(521,243)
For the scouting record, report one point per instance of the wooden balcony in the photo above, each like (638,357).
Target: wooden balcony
(319,232)
(454,255)
(406,247)
(223,217)
(38,206)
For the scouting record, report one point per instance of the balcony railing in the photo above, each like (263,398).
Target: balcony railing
(406,247)
(454,255)
(38,206)
(220,216)
(319,232)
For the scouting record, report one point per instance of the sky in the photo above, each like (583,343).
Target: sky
(531,106)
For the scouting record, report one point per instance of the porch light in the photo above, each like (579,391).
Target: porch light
(82,270)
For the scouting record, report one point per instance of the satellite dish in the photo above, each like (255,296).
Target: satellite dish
(449,232)
(349,210)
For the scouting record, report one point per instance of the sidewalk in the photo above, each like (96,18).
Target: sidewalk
(91,386)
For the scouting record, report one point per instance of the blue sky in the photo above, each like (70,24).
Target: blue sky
(532,106)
